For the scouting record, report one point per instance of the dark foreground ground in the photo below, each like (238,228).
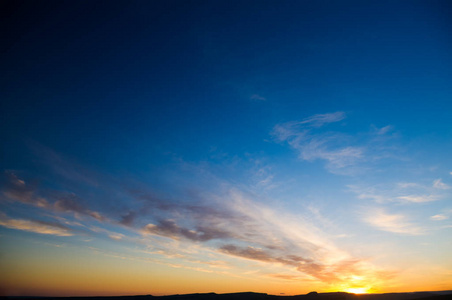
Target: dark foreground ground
(443,295)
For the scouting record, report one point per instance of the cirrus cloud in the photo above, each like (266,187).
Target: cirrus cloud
(311,145)
(395,223)
(40,227)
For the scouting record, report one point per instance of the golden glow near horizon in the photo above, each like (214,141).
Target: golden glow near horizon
(357,290)
(55,269)
(357,285)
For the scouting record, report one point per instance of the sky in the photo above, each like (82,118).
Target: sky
(169,147)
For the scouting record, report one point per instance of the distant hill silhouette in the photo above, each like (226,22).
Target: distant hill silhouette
(442,295)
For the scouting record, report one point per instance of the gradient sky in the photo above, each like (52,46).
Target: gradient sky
(163,147)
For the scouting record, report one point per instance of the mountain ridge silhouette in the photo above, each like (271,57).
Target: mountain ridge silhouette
(437,295)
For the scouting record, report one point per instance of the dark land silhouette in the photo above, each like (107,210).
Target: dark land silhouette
(439,295)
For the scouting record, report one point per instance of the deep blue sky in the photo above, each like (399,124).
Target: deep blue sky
(340,110)
(81,74)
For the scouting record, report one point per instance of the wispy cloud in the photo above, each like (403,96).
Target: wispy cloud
(111,234)
(330,146)
(297,129)
(444,215)
(384,130)
(70,204)
(225,218)
(128,218)
(439,217)
(439,184)
(258,97)
(418,198)
(321,119)
(16,189)
(35,226)
(286,277)
(395,223)
(402,192)
(303,265)
(240,227)
(169,228)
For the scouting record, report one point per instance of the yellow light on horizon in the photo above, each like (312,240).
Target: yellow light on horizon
(361,290)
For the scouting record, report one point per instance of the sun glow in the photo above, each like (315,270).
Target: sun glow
(357,290)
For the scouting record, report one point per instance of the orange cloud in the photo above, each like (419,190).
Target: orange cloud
(35,226)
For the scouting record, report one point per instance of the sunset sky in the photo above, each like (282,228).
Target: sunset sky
(168,147)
